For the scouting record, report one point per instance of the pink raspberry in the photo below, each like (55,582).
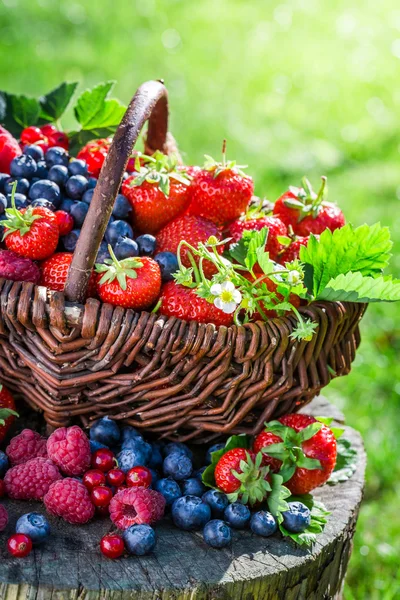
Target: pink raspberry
(3,518)
(31,480)
(18,268)
(25,446)
(69,448)
(136,506)
(70,500)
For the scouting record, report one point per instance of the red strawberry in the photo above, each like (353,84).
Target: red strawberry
(221,192)
(31,232)
(183,302)
(132,282)
(240,475)
(304,453)
(94,153)
(275,226)
(65,222)
(54,273)
(193,230)
(7,411)
(9,149)
(157,194)
(308,212)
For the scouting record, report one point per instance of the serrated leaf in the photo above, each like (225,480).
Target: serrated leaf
(354,287)
(256,245)
(94,110)
(18,112)
(235,441)
(276,499)
(346,462)
(54,104)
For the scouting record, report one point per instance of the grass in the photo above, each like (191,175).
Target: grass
(295,89)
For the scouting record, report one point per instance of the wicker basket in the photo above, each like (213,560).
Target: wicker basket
(180,380)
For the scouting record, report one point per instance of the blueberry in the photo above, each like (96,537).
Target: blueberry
(263,523)
(217,501)
(125,248)
(139,539)
(106,431)
(23,166)
(156,460)
(131,457)
(22,186)
(42,170)
(3,179)
(103,253)
(34,525)
(178,448)
(190,513)
(45,189)
(177,466)
(117,229)
(122,209)
(88,195)
(67,204)
(58,174)
(129,432)
(79,211)
(69,241)
(3,203)
(94,445)
(21,201)
(217,534)
(92,182)
(43,202)
(36,152)
(147,244)
(193,487)
(199,472)
(212,449)
(138,445)
(76,186)
(237,515)
(168,264)
(56,156)
(77,166)
(2,218)
(169,489)
(3,463)
(297,518)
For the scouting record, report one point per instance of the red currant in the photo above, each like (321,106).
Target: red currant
(94,478)
(116,477)
(65,222)
(48,129)
(59,138)
(139,477)
(2,488)
(101,496)
(103,459)
(31,135)
(19,545)
(112,545)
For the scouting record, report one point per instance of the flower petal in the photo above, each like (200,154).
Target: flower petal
(218,303)
(229,307)
(216,289)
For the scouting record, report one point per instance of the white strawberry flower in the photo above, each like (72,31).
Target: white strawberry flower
(227,297)
(294,277)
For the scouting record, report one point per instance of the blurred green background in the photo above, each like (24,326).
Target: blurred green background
(296,87)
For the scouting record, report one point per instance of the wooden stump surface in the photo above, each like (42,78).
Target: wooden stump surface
(183,567)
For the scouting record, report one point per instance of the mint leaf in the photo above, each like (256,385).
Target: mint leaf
(346,462)
(94,110)
(365,249)
(236,441)
(18,112)
(354,287)
(54,104)
(319,518)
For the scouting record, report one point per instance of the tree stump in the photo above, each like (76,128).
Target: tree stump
(183,567)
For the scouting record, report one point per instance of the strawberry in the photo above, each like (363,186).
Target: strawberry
(308,212)
(65,222)
(220,192)
(94,153)
(276,228)
(239,474)
(132,282)
(31,232)
(183,302)
(54,273)
(301,448)
(158,193)
(193,230)
(7,411)
(292,252)
(9,149)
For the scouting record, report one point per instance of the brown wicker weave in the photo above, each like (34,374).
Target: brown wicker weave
(181,380)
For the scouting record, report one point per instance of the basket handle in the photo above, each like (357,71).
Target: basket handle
(149,103)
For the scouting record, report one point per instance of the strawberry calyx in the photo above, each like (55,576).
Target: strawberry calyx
(159,169)
(118,269)
(306,201)
(217,168)
(16,220)
(253,485)
(5,413)
(290,450)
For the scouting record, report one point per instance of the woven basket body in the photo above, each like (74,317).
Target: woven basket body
(181,380)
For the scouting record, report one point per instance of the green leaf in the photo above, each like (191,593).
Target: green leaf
(94,110)
(256,245)
(54,104)
(236,441)
(346,462)
(18,112)
(365,249)
(319,518)
(276,499)
(354,287)
(5,413)
(337,431)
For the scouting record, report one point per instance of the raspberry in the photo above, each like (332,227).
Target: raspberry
(3,518)
(25,446)
(31,480)
(70,500)
(136,506)
(9,149)
(69,448)
(18,268)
